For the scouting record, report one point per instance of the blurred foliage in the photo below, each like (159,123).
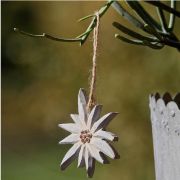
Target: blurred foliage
(41,79)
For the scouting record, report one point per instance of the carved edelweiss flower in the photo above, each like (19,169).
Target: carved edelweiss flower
(89,137)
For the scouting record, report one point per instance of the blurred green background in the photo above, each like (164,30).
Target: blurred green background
(41,79)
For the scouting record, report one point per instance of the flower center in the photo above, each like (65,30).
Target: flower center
(85,136)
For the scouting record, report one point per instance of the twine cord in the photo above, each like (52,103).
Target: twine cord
(92,96)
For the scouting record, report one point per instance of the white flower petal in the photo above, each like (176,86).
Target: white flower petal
(86,157)
(81,161)
(89,161)
(95,153)
(70,127)
(82,106)
(75,118)
(71,139)
(82,96)
(91,167)
(105,135)
(103,121)
(103,146)
(94,115)
(70,156)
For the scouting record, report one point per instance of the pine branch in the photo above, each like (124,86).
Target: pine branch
(160,34)
(81,38)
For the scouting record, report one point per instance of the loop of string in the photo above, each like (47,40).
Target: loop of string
(92,96)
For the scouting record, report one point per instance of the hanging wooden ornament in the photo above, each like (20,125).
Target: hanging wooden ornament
(88,136)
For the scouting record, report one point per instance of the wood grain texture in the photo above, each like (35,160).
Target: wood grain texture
(165,119)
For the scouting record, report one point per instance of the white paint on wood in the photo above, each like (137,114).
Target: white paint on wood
(165,119)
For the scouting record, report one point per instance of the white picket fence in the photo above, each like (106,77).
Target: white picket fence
(165,119)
